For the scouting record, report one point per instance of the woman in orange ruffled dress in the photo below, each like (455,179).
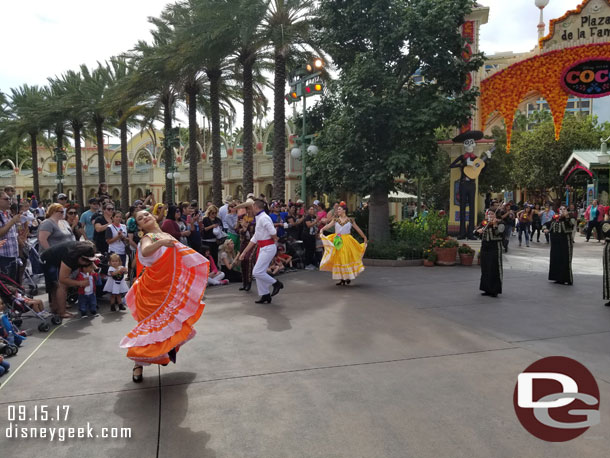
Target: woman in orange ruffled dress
(342,253)
(165,299)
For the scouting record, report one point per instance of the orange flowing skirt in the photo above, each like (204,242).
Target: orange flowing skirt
(166,301)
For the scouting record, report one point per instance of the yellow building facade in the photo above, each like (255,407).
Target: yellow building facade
(147,169)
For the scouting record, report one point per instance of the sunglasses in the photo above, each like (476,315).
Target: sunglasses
(109,208)
(71,213)
(5,198)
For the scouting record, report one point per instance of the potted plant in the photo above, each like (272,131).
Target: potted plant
(430,258)
(446,250)
(466,254)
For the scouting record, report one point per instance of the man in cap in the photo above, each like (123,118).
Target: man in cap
(467,185)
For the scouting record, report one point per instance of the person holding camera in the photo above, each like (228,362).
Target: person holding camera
(9,251)
(310,232)
(211,228)
(116,236)
(101,224)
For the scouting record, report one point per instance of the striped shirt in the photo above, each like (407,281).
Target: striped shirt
(11,248)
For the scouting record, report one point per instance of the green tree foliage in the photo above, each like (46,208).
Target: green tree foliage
(384,122)
(539,158)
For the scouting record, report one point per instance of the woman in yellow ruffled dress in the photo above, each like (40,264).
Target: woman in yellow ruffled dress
(342,253)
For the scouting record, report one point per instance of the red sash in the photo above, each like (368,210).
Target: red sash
(263,243)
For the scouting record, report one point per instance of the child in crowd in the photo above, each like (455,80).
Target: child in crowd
(116,285)
(215,277)
(285,258)
(35,304)
(276,267)
(86,292)
(4,366)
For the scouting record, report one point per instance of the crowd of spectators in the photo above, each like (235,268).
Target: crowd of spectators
(67,237)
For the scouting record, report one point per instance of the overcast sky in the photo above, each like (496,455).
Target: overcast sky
(42,38)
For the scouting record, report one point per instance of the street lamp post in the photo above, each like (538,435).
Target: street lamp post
(60,157)
(300,89)
(172,140)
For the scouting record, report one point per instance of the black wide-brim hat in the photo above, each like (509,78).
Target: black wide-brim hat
(471,134)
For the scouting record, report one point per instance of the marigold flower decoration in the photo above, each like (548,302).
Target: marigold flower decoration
(503,91)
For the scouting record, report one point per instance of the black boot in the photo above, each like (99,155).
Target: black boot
(266,299)
(248,286)
(276,287)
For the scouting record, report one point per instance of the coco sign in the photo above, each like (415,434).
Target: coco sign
(588,78)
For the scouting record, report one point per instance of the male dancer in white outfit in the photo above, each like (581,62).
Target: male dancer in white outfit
(265,237)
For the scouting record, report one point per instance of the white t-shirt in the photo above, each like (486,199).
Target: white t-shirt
(118,246)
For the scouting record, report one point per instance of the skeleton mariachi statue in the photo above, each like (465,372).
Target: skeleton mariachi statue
(470,166)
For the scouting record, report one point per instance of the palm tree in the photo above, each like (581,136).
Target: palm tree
(56,115)
(251,41)
(25,112)
(209,39)
(68,93)
(123,105)
(155,80)
(95,88)
(288,26)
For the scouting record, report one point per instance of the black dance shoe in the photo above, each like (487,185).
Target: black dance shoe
(348,281)
(341,283)
(607,304)
(276,287)
(266,299)
(137,378)
(248,286)
(172,355)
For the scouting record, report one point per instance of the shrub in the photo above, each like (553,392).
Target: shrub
(395,249)
(466,249)
(445,242)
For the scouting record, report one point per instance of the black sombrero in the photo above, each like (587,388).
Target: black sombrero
(471,134)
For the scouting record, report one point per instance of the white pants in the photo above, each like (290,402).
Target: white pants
(259,272)
(217,279)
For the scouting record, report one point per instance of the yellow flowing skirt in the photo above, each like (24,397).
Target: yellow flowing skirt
(345,263)
(166,301)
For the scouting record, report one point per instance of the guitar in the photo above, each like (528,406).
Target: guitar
(474,170)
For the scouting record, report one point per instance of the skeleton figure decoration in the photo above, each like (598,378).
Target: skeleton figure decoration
(470,167)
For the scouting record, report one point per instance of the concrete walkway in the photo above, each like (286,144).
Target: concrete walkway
(405,362)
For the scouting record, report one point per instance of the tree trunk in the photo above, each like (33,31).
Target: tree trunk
(167,120)
(35,174)
(379,214)
(192,91)
(79,166)
(101,163)
(124,165)
(214,76)
(247,142)
(59,134)
(279,128)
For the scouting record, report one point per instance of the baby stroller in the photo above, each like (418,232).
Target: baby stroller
(32,272)
(10,337)
(12,295)
(296,249)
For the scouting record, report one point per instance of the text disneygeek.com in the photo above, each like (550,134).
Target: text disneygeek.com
(18,417)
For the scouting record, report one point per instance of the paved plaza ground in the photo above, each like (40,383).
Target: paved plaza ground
(405,362)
